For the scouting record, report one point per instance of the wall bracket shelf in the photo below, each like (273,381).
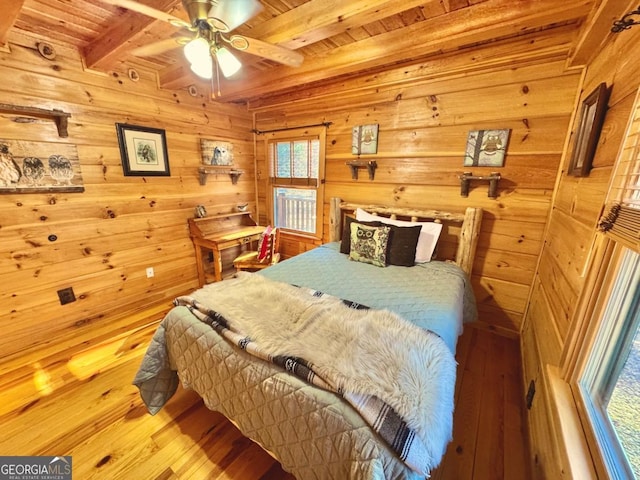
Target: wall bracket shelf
(493,179)
(60,118)
(234,173)
(370,165)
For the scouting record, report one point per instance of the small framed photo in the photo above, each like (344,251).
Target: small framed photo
(143,150)
(486,148)
(364,139)
(594,108)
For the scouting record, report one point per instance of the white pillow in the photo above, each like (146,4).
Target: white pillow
(427,241)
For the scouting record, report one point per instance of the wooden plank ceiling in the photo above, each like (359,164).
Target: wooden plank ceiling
(337,38)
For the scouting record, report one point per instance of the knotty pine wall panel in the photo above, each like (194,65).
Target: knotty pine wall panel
(578,201)
(564,259)
(424,117)
(108,235)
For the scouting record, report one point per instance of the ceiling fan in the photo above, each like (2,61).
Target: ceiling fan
(207,47)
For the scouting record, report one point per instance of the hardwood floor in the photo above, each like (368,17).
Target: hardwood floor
(82,404)
(489,430)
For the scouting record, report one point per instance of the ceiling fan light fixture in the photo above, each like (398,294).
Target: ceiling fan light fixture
(203,68)
(227,61)
(197,50)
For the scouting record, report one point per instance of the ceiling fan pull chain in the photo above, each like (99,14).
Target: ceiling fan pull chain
(217,75)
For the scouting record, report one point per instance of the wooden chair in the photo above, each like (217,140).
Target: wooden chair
(268,246)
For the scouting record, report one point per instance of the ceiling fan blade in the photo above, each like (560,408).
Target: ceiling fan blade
(234,12)
(148,11)
(272,52)
(162,46)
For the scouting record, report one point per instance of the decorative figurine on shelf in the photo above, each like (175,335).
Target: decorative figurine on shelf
(243,207)
(201,212)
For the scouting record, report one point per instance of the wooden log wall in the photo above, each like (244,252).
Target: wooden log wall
(424,113)
(108,235)
(568,241)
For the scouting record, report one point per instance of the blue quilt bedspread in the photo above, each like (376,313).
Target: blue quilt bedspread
(436,296)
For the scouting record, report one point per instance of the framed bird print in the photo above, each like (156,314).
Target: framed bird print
(364,139)
(39,167)
(143,151)
(486,148)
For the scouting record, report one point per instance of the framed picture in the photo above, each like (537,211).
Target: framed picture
(364,139)
(143,150)
(592,115)
(486,148)
(216,152)
(39,167)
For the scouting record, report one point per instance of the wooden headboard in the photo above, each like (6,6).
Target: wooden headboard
(458,240)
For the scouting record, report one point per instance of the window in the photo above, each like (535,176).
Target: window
(610,384)
(296,167)
(603,365)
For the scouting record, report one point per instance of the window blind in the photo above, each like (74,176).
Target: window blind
(294,162)
(622,218)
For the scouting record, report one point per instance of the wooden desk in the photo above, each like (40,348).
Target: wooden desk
(217,232)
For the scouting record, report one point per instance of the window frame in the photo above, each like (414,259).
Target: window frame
(605,266)
(292,135)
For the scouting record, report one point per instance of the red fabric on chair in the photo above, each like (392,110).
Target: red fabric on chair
(263,248)
(265,255)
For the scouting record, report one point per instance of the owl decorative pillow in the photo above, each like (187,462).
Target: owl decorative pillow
(369,244)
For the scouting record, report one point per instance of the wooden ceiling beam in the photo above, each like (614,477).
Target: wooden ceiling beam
(311,22)
(597,28)
(548,46)
(113,45)
(8,18)
(480,23)
(315,20)
(451,5)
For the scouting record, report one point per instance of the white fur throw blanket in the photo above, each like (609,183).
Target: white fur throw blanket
(400,377)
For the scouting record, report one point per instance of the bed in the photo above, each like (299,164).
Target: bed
(339,368)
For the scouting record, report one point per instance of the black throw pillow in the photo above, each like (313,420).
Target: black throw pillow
(403,242)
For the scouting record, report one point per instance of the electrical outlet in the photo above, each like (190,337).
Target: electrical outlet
(66,295)
(150,272)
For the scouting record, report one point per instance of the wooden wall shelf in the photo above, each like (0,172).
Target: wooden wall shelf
(58,116)
(370,165)
(492,179)
(234,173)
